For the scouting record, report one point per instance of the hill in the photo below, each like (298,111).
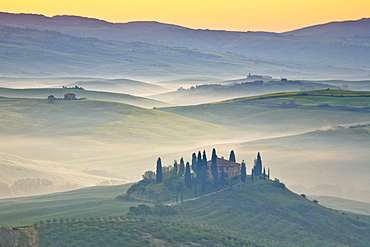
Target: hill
(343,204)
(97,201)
(287,129)
(336,29)
(86,142)
(43,93)
(42,53)
(259,213)
(289,112)
(301,54)
(223,90)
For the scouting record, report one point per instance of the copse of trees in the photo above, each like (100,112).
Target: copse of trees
(175,180)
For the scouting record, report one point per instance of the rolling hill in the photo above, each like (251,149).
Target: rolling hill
(283,128)
(66,140)
(336,29)
(218,91)
(42,53)
(259,213)
(341,44)
(43,93)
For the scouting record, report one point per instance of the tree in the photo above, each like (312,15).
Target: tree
(243,172)
(159,175)
(51,98)
(149,175)
(264,174)
(199,164)
(214,169)
(232,156)
(182,166)
(268,174)
(187,176)
(205,163)
(194,162)
(203,172)
(252,174)
(258,165)
(175,167)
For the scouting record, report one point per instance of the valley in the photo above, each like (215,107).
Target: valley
(88,106)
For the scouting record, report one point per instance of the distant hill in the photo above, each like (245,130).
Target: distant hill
(336,29)
(342,44)
(41,53)
(343,204)
(120,85)
(223,90)
(43,93)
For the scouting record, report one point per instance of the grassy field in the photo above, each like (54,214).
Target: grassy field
(82,203)
(268,114)
(258,213)
(43,93)
(343,204)
(67,137)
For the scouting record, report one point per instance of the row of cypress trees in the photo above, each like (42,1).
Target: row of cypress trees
(200,168)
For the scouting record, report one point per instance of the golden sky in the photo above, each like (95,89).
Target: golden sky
(236,15)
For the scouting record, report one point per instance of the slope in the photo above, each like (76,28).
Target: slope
(258,213)
(35,53)
(66,138)
(87,202)
(271,214)
(43,93)
(282,113)
(349,52)
(336,29)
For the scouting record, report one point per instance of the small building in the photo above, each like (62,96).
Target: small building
(70,96)
(231,169)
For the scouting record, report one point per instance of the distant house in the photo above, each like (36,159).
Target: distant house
(231,169)
(336,127)
(256,77)
(70,96)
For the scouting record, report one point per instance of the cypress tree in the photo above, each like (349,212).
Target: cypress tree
(258,165)
(252,174)
(268,174)
(194,162)
(214,168)
(243,172)
(182,166)
(202,170)
(232,156)
(159,175)
(175,167)
(187,176)
(199,164)
(264,173)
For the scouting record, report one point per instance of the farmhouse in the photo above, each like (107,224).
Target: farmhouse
(231,169)
(70,96)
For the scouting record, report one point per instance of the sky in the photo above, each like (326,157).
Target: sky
(232,15)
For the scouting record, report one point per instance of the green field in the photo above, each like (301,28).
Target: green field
(87,202)
(258,213)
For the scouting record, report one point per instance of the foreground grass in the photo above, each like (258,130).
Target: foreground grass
(88,202)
